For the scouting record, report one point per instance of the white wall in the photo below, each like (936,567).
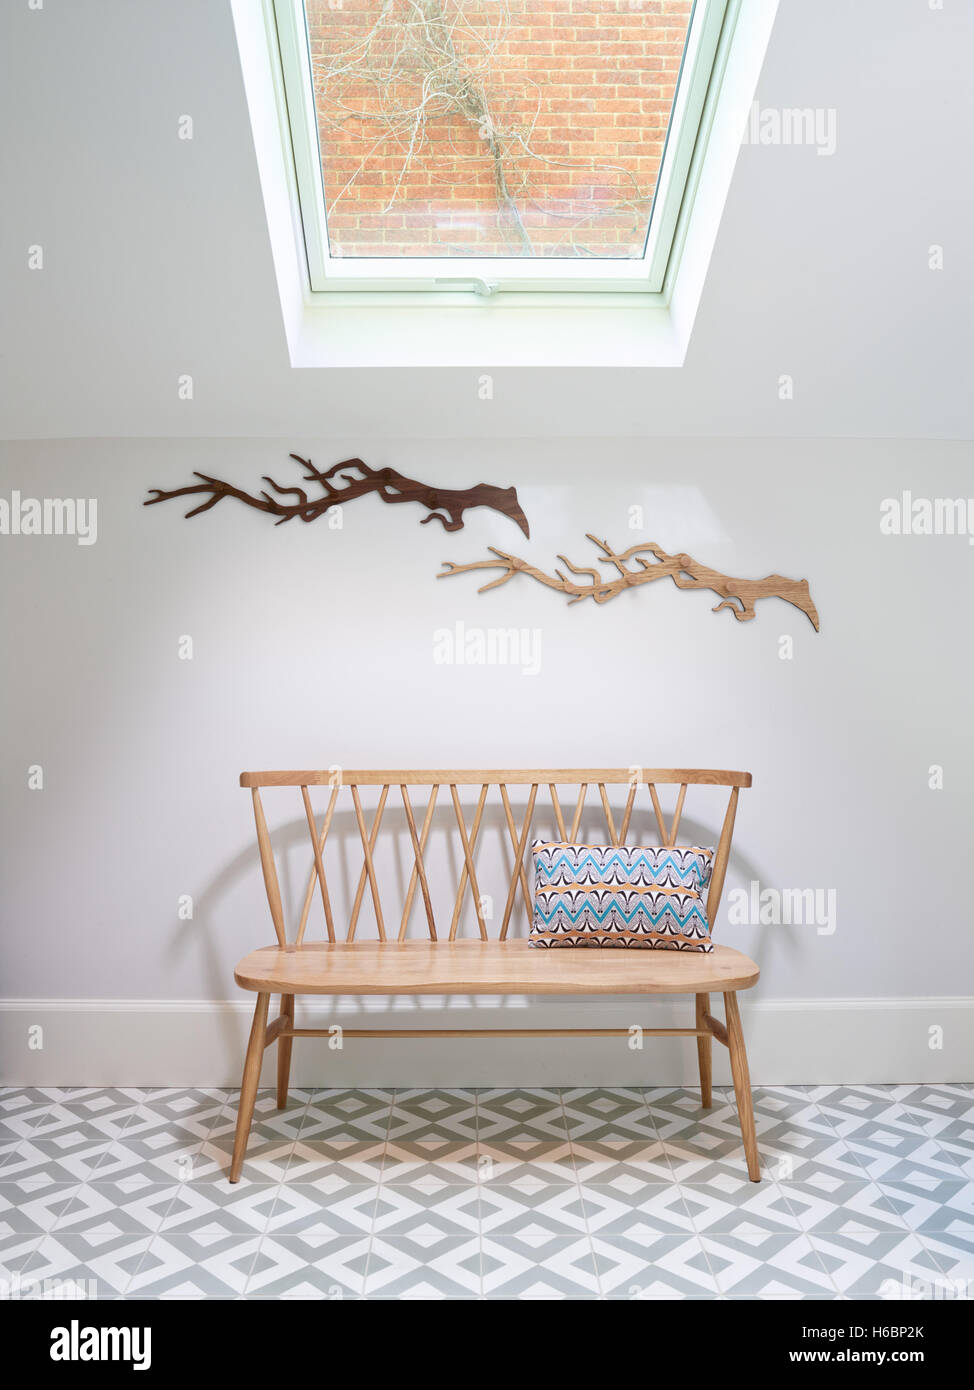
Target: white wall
(314,646)
(157,259)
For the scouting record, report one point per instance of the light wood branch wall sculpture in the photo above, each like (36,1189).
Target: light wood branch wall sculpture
(739,595)
(446,505)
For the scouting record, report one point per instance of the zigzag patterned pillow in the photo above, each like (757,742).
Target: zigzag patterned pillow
(601,895)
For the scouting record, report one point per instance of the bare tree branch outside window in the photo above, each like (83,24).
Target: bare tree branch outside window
(493,127)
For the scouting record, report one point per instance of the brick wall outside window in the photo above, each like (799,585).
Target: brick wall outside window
(579,94)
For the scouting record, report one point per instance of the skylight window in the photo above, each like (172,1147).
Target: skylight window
(495,145)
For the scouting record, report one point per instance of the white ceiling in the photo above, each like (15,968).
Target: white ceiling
(157,260)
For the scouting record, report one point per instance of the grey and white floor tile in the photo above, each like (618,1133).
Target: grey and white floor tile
(876,1264)
(760,1265)
(104,1262)
(642,1264)
(556,1209)
(424,1265)
(33,1206)
(729,1201)
(538,1265)
(581,1193)
(310,1265)
(625,1202)
(204,1264)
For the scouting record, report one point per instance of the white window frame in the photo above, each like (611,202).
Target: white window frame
(501,279)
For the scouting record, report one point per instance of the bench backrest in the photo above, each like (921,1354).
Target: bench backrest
(565,793)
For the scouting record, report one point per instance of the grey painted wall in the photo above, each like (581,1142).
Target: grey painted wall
(157,260)
(315,646)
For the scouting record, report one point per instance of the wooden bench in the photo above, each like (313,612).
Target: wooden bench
(442,961)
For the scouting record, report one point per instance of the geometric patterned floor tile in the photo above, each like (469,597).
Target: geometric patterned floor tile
(642,1264)
(784,1119)
(33,1206)
(830,1203)
(889,1154)
(703,1157)
(584,1192)
(304,1208)
(428,1117)
(416,1161)
(105,1111)
(191,1113)
(424,1267)
(16,1250)
(767,1266)
(23,1115)
(777,1102)
(539,1266)
(336,1163)
(554,1210)
(212,1210)
(343,1116)
(309,1266)
(602,1160)
(203,1265)
(157,1145)
(623,1203)
(273,1138)
(104,1262)
(128,1205)
(731,1202)
(933,1204)
(799,1154)
(452,1211)
(521,1117)
(953,1252)
(869,1264)
(853,1110)
(73,1155)
(607,1114)
(939,1105)
(537,1162)
(676,1110)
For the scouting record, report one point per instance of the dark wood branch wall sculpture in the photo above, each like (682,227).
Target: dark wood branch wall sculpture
(739,595)
(446,505)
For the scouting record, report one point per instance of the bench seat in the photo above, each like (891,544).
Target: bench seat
(420,947)
(489,967)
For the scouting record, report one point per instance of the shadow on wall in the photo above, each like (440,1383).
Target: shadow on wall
(394,862)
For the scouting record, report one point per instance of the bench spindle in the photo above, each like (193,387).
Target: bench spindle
(468,872)
(518,862)
(414,876)
(419,868)
(517,847)
(368,870)
(579,805)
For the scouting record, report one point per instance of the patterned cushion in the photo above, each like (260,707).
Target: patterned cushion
(600,895)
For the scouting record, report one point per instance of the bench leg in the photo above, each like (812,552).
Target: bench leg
(705,1049)
(284,1052)
(742,1086)
(248,1086)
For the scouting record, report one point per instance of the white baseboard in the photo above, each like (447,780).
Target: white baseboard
(150,1042)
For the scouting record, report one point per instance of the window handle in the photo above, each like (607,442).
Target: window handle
(480,286)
